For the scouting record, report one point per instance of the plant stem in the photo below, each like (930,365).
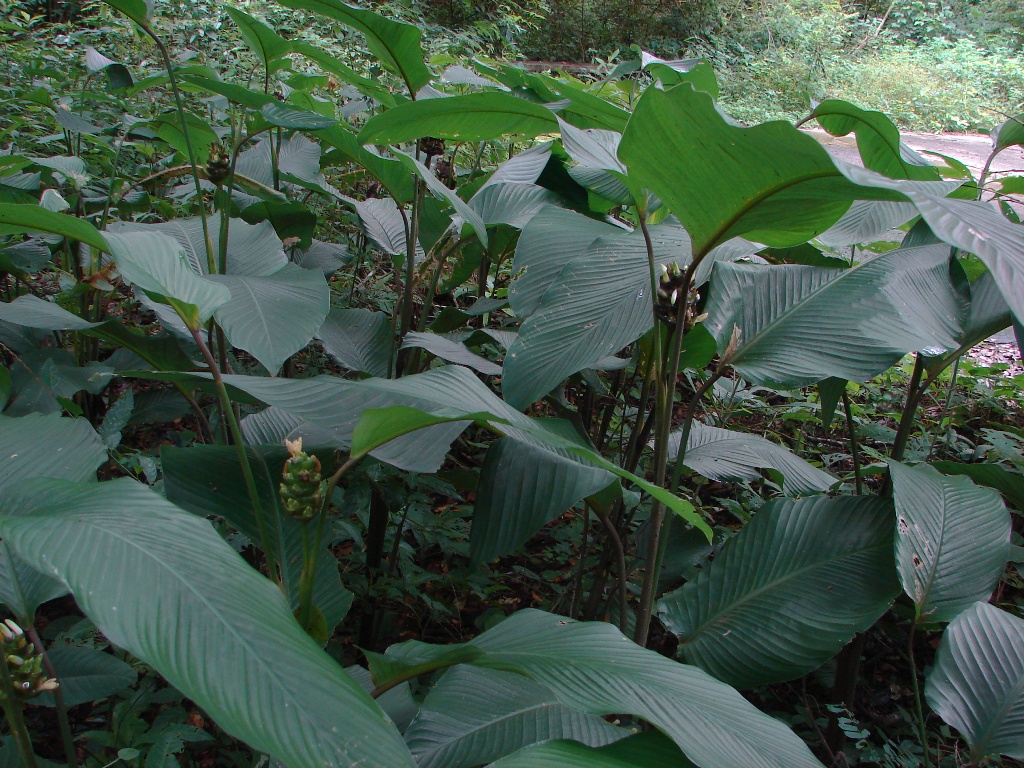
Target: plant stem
(243,456)
(58,698)
(412,235)
(664,396)
(851,433)
(14,710)
(620,562)
(311,549)
(180,104)
(918,707)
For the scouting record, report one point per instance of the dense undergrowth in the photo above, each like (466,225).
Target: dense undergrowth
(367,403)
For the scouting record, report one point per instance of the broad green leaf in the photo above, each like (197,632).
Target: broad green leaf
(391,174)
(86,674)
(32,312)
(161,351)
(799,324)
(770,183)
(450,350)
(696,72)
(156,264)
(593,668)
(208,480)
(821,568)
(277,114)
(980,229)
(200,134)
(275,316)
(452,395)
(395,43)
(16,218)
(953,540)
(585,109)
(238,94)
(645,750)
(22,588)
(253,249)
(473,117)
(721,454)
(473,716)
(261,39)
(977,682)
(437,188)
(1010,133)
(599,303)
(358,340)
(523,487)
(383,224)
(991,475)
(866,221)
(512,204)
(174,593)
(371,88)
(550,240)
(830,392)
(138,11)
(48,446)
(878,139)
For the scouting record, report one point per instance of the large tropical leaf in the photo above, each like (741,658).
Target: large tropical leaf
(167,588)
(395,43)
(788,591)
(723,181)
(799,324)
(977,683)
(358,340)
(383,224)
(552,238)
(448,400)
(16,218)
(450,350)
(592,667)
(511,203)
(600,302)
(866,221)
(32,312)
(1009,484)
(522,487)
(953,540)
(253,249)
(645,750)
(473,716)
(275,316)
(472,117)
(41,446)
(721,454)
(878,139)
(261,39)
(86,674)
(156,264)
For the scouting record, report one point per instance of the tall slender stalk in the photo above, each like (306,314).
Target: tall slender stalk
(180,104)
(243,456)
(851,432)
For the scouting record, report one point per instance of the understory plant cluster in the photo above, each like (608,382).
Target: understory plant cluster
(387,414)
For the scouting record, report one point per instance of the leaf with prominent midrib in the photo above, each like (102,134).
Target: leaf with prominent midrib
(977,683)
(645,750)
(275,316)
(395,43)
(821,568)
(953,540)
(473,716)
(770,183)
(799,325)
(162,584)
(594,668)
(473,117)
(878,139)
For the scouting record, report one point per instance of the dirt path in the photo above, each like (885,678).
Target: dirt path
(970,149)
